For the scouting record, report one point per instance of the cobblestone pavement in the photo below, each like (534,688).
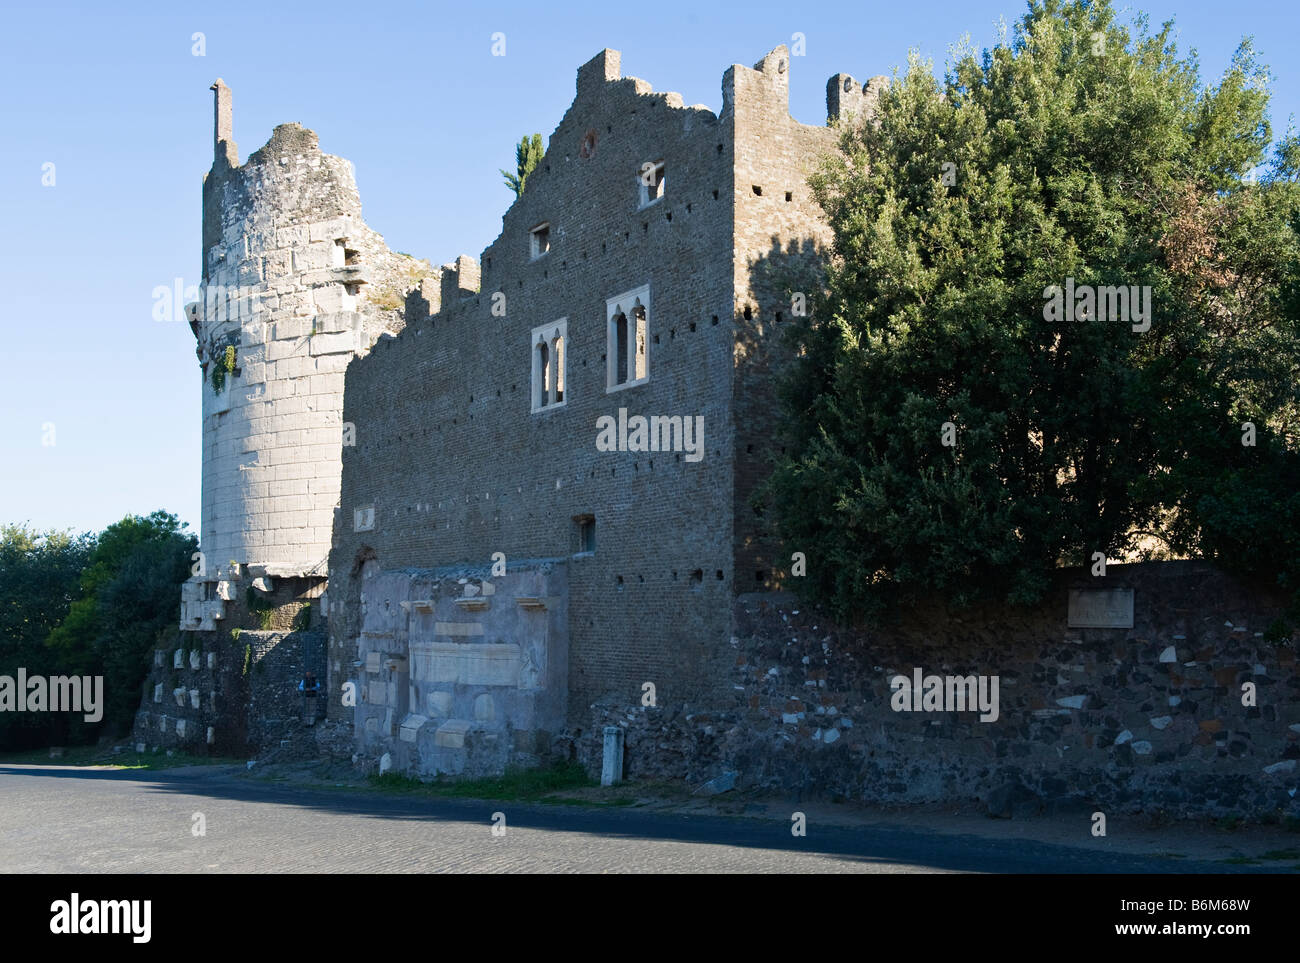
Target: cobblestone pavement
(56,819)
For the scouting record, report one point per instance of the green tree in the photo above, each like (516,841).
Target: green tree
(528,154)
(129,600)
(949,432)
(40,574)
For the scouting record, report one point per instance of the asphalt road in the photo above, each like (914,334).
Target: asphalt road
(71,820)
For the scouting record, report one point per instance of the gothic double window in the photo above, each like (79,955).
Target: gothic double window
(549,364)
(628,331)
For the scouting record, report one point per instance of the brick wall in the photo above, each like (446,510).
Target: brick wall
(456,465)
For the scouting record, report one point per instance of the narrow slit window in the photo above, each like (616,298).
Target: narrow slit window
(638,328)
(620,347)
(557,376)
(585,526)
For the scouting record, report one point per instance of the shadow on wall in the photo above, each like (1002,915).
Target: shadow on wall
(785,283)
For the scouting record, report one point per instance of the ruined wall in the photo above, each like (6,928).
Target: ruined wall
(463,467)
(1149,719)
(229,694)
(462,672)
(194,697)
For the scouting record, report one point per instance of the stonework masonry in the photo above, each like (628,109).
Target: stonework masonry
(1152,719)
(466,467)
(408,486)
(296,284)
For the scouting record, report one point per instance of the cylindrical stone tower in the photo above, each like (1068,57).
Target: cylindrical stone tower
(294,285)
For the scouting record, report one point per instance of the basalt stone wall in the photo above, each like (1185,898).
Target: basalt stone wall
(278,661)
(1149,719)
(227,695)
(194,697)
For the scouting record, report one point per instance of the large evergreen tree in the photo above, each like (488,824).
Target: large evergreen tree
(948,429)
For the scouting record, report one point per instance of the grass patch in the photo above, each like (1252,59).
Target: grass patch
(520,785)
(1281,854)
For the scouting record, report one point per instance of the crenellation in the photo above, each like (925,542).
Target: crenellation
(846,98)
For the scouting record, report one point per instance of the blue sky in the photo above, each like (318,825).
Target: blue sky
(113,96)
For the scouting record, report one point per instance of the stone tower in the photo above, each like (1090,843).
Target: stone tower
(294,286)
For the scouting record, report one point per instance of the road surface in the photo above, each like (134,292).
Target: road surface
(77,820)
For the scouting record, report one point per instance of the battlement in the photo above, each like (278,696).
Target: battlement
(846,98)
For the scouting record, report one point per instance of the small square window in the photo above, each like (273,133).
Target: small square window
(650,177)
(539,239)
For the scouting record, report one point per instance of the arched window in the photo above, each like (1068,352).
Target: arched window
(620,348)
(557,378)
(638,357)
(544,380)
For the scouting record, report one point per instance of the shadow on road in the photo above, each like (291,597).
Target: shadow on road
(877,844)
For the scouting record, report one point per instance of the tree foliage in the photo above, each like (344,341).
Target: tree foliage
(40,575)
(88,606)
(1077,148)
(528,154)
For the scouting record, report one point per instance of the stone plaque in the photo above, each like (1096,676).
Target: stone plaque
(466,663)
(1101,609)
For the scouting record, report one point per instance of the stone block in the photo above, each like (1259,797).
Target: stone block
(344,343)
(1100,608)
(440,704)
(451,734)
(313,257)
(410,728)
(467,663)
